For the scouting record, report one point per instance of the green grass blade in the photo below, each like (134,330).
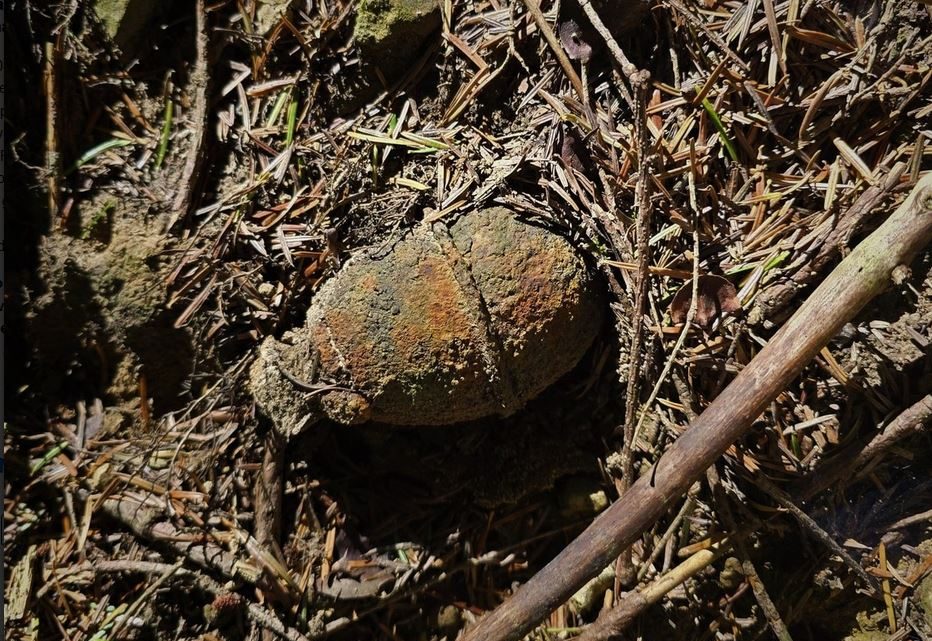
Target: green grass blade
(720,128)
(166,131)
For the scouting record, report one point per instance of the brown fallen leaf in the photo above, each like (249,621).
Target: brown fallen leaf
(574,153)
(717,296)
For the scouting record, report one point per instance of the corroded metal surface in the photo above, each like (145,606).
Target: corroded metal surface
(447,325)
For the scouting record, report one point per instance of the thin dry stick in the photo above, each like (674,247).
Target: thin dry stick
(194,163)
(557,49)
(688,505)
(859,278)
(747,566)
(643,205)
(627,68)
(693,303)
(634,603)
(140,601)
(52,120)
(911,421)
(807,523)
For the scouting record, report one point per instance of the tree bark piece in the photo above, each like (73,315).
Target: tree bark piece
(859,278)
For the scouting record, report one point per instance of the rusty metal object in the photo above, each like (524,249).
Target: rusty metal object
(449,324)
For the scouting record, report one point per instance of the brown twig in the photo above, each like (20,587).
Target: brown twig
(194,163)
(747,565)
(642,203)
(551,38)
(808,524)
(632,604)
(52,123)
(859,278)
(627,67)
(911,421)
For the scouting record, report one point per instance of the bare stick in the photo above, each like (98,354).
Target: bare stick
(634,603)
(52,120)
(774,620)
(190,178)
(625,571)
(859,278)
(627,67)
(911,421)
(534,9)
(807,523)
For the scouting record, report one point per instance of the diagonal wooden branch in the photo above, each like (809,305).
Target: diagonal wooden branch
(859,278)
(777,297)
(534,9)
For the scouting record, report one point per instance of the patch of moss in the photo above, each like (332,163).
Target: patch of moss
(99,225)
(924,597)
(389,33)
(379,20)
(123,20)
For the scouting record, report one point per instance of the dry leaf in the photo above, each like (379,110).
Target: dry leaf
(717,296)
(574,153)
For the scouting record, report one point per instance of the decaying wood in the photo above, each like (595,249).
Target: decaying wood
(860,277)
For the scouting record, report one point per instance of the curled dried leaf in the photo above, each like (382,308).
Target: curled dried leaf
(717,296)
(574,42)
(573,152)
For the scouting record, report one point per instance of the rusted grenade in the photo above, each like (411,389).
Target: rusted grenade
(448,324)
